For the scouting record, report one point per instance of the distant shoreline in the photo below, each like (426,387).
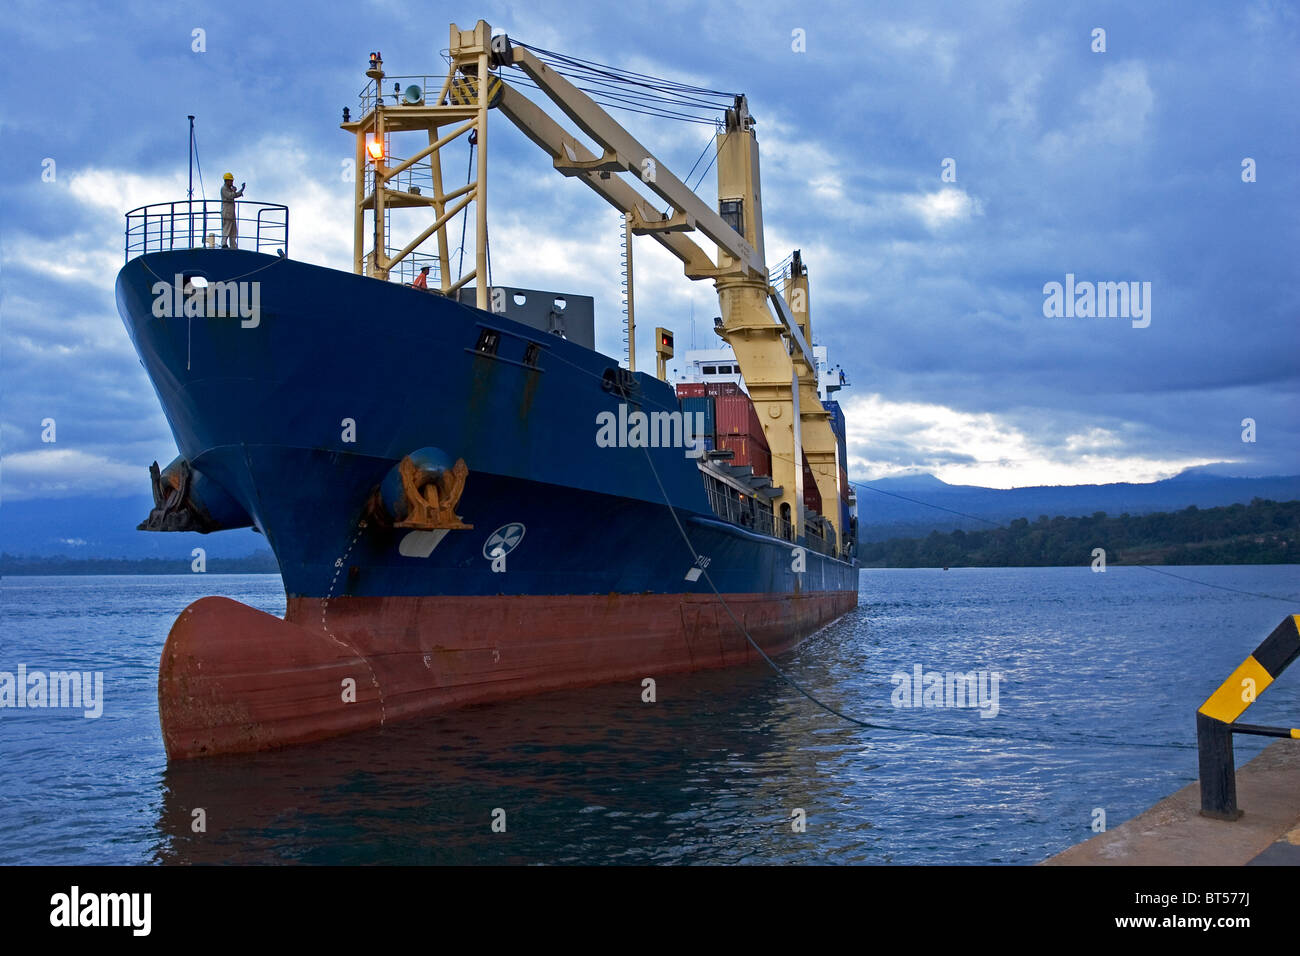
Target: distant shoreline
(1262,532)
(13,565)
(111,574)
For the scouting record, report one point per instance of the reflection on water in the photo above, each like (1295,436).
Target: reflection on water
(581,776)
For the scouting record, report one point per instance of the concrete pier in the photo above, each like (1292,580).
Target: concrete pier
(1173,832)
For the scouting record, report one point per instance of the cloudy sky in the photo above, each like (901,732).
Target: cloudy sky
(1122,165)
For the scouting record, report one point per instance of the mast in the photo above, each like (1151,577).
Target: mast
(190,194)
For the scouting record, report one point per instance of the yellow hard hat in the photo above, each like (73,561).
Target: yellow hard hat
(230,176)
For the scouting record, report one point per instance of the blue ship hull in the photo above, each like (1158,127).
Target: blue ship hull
(261,410)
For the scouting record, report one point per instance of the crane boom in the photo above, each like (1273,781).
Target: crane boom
(769,330)
(626,153)
(574,159)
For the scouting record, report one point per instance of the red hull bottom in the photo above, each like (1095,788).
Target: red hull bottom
(234,679)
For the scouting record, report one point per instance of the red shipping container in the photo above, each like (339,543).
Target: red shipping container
(812,498)
(737,416)
(844,484)
(745,451)
(756,426)
(738,445)
(691,390)
(722,388)
(733,414)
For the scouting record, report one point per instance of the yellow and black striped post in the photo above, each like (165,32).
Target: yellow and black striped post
(1216,718)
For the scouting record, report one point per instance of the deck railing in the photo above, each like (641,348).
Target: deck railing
(749,514)
(816,542)
(196,224)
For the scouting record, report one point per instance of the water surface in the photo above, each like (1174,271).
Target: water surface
(710,773)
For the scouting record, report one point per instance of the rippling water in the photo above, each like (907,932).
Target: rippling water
(710,773)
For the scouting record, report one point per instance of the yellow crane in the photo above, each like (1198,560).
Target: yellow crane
(770,331)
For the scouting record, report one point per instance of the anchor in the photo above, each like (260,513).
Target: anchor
(184,499)
(422,492)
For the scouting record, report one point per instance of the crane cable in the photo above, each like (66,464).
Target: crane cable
(635,92)
(591,67)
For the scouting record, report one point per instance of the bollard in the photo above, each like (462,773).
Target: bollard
(1218,769)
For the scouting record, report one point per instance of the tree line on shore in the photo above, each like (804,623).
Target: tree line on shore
(260,562)
(1262,532)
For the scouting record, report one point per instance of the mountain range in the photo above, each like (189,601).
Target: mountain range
(106,528)
(915,505)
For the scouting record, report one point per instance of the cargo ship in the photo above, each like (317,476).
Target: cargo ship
(467,500)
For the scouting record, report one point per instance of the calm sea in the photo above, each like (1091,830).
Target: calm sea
(718,770)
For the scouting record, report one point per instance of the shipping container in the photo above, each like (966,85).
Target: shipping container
(733,414)
(745,451)
(740,447)
(700,389)
(837,416)
(812,498)
(737,416)
(838,428)
(703,405)
(844,484)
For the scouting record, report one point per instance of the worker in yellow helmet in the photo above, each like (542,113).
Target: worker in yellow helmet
(229,229)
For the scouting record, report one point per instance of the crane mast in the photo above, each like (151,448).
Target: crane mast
(770,331)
